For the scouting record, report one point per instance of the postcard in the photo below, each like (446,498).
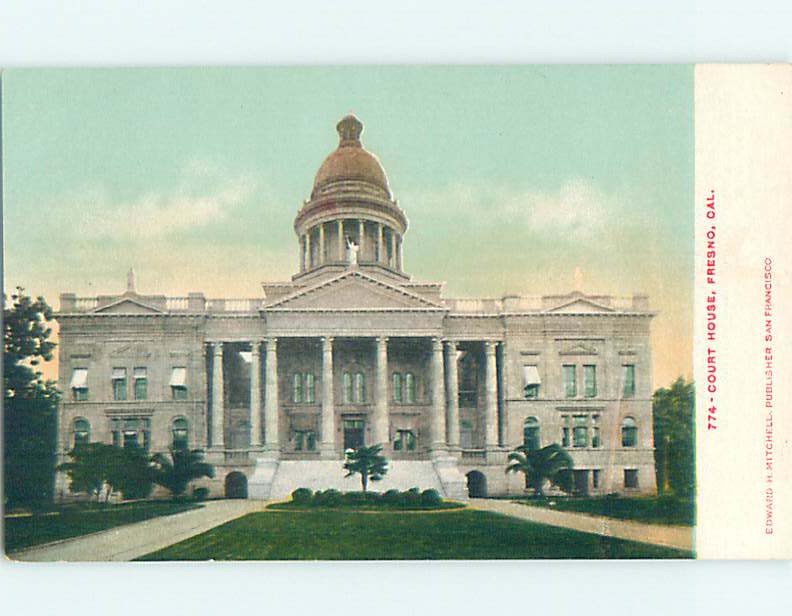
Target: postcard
(397,313)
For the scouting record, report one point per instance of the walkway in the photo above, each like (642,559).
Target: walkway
(679,537)
(134,540)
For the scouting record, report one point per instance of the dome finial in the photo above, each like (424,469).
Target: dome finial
(349,129)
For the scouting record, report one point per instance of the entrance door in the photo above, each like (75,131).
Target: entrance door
(353,433)
(581,482)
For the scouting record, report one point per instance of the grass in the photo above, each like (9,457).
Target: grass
(365,506)
(649,509)
(358,535)
(75,520)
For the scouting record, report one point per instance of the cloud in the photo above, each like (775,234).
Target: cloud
(200,198)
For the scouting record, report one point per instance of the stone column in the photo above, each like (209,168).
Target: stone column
(380,420)
(379,243)
(308,249)
(327,443)
(218,397)
(321,254)
(452,380)
(255,395)
(491,379)
(438,397)
(341,241)
(362,238)
(392,261)
(271,403)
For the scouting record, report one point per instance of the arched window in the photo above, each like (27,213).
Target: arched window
(180,433)
(297,388)
(82,432)
(531,437)
(409,386)
(629,432)
(360,387)
(397,387)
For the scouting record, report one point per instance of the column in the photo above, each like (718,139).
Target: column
(341,241)
(438,432)
(362,238)
(271,396)
(321,254)
(255,395)
(308,249)
(327,443)
(491,377)
(380,420)
(392,260)
(380,245)
(452,379)
(399,253)
(218,397)
(302,253)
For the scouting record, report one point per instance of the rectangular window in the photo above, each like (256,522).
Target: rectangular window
(531,382)
(178,383)
(347,388)
(141,383)
(580,431)
(565,436)
(570,381)
(310,388)
(590,380)
(79,384)
(119,384)
(628,379)
(305,440)
(297,388)
(360,388)
(631,478)
(595,478)
(397,387)
(405,441)
(595,437)
(409,386)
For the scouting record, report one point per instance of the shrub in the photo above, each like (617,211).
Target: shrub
(392,497)
(431,497)
(302,496)
(200,494)
(328,498)
(412,497)
(354,498)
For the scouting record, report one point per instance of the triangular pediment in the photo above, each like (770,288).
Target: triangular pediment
(127,305)
(580,305)
(354,291)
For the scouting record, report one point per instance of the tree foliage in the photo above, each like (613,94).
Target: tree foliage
(175,472)
(551,463)
(94,467)
(673,410)
(30,403)
(367,462)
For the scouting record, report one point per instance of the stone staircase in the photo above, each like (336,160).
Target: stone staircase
(276,480)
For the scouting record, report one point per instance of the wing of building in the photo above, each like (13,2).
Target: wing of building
(353,351)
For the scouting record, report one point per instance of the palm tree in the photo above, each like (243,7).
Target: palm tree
(368,462)
(551,463)
(176,473)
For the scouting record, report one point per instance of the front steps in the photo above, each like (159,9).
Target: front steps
(278,479)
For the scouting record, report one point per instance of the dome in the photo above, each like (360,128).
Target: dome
(351,161)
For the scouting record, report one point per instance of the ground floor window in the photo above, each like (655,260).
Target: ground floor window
(580,430)
(131,432)
(595,478)
(630,477)
(531,438)
(82,432)
(304,440)
(405,441)
(180,433)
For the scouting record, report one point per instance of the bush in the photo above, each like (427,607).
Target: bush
(392,497)
(412,497)
(200,494)
(302,496)
(328,498)
(431,497)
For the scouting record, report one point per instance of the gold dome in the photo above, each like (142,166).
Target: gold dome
(351,161)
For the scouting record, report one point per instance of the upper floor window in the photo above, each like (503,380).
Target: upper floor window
(531,437)
(180,433)
(303,387)
(570,380)
(629,432)
(590,381)
(178,383)
(628,380)
(409,388)
(531,382)
(141,383)
(398,394)
(81,432)
(79,384)
(468,380)
(360,387)
(119,384)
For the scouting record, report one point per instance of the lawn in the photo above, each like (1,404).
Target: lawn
(649,509)
(357,535)
(72,521)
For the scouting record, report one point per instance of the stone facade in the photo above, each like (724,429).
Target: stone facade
(352,350)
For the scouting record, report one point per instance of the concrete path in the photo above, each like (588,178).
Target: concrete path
(680,537)
(134,540)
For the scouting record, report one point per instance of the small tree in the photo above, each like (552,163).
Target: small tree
(176,473)
(91,467)
(551,463)
(368,462)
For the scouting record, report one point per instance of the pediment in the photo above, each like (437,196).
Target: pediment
(127,305)
(580,305)
(354,291)
(578,348)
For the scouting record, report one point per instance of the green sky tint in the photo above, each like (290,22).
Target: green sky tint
(511,178)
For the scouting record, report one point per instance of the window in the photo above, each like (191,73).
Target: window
(630,478)
(570,381)
(348,391)
(628,380)
(405,441)
(178,383)
(531,438)
(409,387)
(590,381)
(468,381)
(305,440)
(310,388)
(129,432)
(79,384)
(397,387)
(595,478)
(297,388)
(531,382)
(629,432)
(580,431)
(180,433)
(141,383)
(595,437)
(82,432)
(360,388)
(576,430)
(119,384)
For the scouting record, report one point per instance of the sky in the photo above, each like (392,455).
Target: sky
(512,178)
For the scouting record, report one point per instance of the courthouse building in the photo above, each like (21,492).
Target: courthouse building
(352,350)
